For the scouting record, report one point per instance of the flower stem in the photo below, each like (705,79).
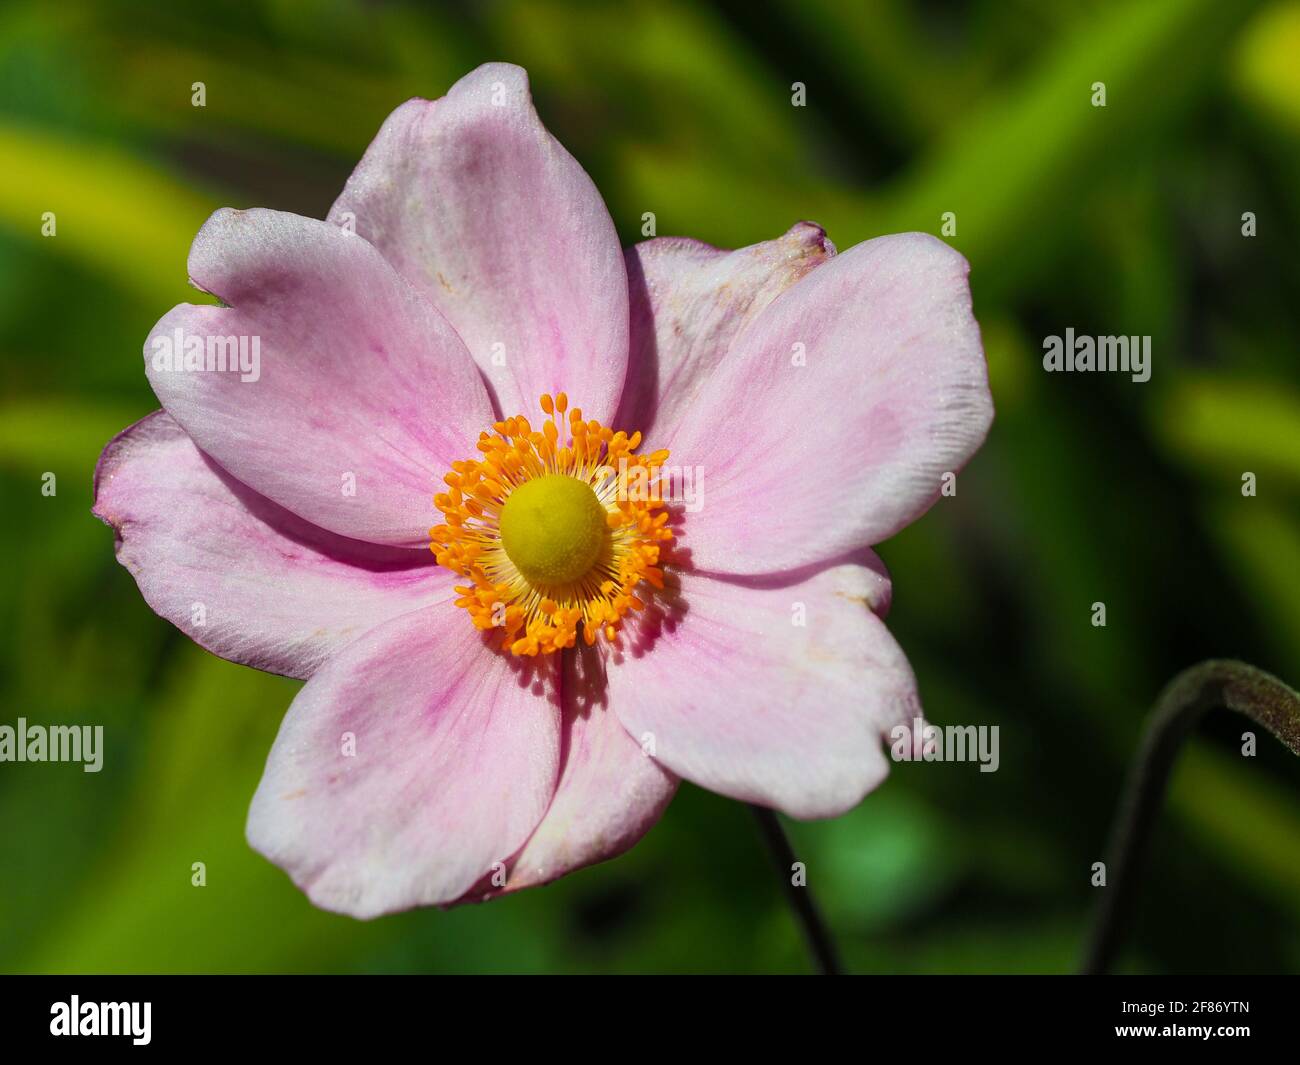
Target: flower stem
(817,935)
(1185,700)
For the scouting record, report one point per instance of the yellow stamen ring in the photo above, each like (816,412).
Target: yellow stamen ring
(549,541)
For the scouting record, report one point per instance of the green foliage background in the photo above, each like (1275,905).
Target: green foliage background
(1125,219)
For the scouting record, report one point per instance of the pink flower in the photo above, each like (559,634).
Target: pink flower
(521,700)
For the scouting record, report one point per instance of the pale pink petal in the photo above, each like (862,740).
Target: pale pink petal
(238,574)
(688,302)
(779,695)
(363,394)
(456,750)
(878,586)
(832,419)
(471,198)
(610,791)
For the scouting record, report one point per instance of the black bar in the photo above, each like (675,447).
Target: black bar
(305,1013)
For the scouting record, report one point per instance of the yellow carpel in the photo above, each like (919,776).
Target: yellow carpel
(552,528)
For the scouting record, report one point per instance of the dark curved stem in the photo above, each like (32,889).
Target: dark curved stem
(817,935)
(1186,699)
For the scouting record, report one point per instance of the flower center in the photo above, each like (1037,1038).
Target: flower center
(556,530)
(552,528)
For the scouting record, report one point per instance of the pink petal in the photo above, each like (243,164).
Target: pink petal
(239,575)
(472,199)
(830,422)
(360,383)
(456,755)
(739,698)
(688,302)
(610,791)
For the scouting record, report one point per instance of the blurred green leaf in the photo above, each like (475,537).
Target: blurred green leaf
(1249,820)
(1229,427)
(1265,64)
(1015,168)
(126,219)
(61,435)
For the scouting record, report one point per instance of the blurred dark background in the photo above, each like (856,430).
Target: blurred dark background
(1125,219)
